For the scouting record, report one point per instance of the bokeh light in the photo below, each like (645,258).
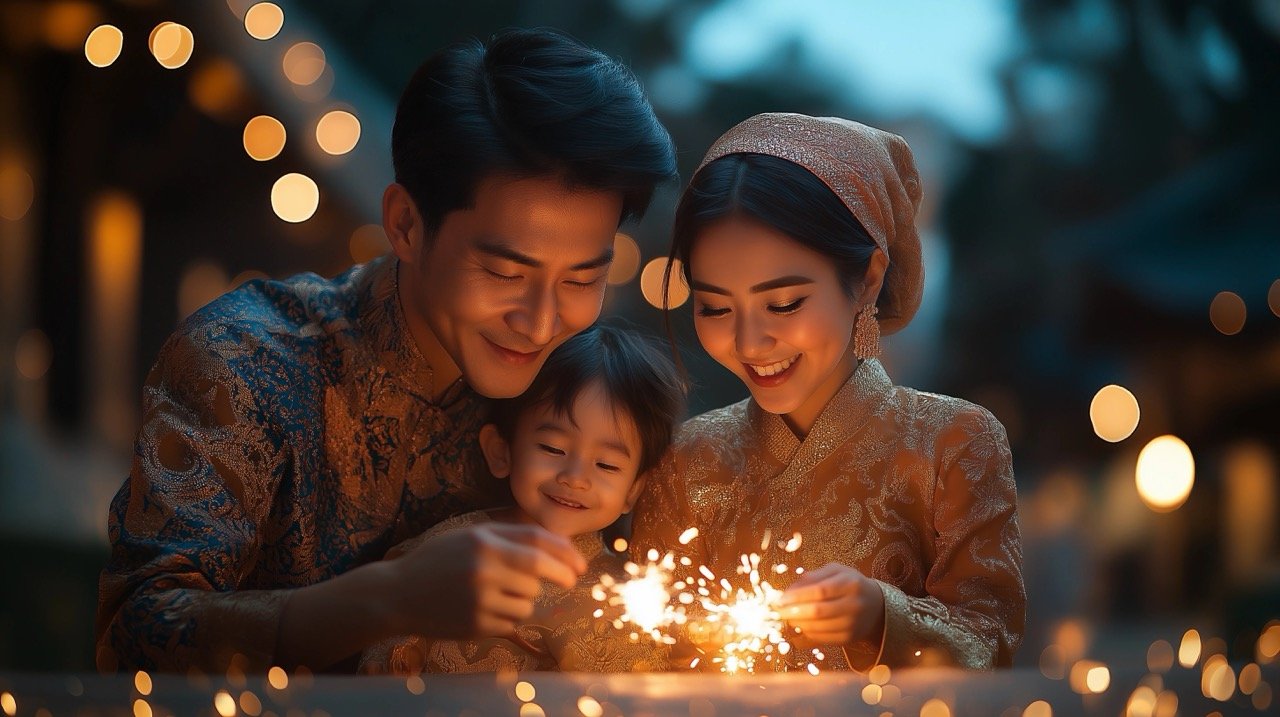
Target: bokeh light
(295,197)
(1160,656)
(1039,708)
(217,88)
(224,703)
(415,685)
(1273,297)
(525,691)
(1114,413)
(1227,312)
(368,242)
(304,63)
(103,45)
(202,282)
(264,137)
(33,354)
(171,44)
(278,678)
(1218,680)
(529,709)
(337,132)
(626,259)
(250,704)
(589,707)
(1269,642)
(1250,678)
(651,283)
(142,682)
(141,709)
(17,190)
(68,23)
(1189,649)
(935,708)
(264,20)
(1165,473)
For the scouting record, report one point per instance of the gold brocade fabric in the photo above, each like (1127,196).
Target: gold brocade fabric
(288,436)
(563,633)
(913,489)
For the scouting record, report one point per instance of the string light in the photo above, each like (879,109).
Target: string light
(626,259)
(337,132)
(651,283)
(1114,413)
(295,197)
(264,20)
(1165,473)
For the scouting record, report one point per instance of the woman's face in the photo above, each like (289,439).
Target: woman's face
(775,313)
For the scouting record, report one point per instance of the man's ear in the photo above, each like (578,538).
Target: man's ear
(633,493)
(402,223)
(496,450)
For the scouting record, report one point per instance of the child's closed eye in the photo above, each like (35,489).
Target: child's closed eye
(550,449)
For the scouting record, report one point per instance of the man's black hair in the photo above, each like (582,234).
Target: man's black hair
(635,373)
(527,103)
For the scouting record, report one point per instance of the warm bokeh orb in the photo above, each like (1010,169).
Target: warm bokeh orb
(264,137)
(1165,473)
(68,22)
(1227,312)
(17,190)
(295,197)
(171,44)
(103,45)
(368,243)
(1273,297)
(264,20)
(626,259)
(651,280)
(217,88)
(202,282)
(337,132)
(304,63)
(33,355)
(1114,413)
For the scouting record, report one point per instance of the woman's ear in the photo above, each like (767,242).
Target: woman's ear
(873,280)
(402,223)
(496,450)
(633,493)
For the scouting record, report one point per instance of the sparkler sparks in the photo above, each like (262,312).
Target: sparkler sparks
(744,621)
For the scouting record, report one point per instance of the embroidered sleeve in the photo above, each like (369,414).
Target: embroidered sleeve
(185,527)
(974,610)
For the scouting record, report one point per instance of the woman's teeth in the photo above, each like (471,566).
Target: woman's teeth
(774,368)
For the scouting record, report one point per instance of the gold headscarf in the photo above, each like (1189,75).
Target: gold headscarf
(871,171)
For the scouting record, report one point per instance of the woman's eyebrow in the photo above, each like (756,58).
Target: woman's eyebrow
(781,282)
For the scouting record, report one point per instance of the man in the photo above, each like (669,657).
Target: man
(295,430)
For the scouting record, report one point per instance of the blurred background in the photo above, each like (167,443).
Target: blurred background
(1101,228)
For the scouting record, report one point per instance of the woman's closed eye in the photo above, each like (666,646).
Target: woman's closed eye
(789,307)
(711,311)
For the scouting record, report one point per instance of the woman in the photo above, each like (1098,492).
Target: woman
(798,239)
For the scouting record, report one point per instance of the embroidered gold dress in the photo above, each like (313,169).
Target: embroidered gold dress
(563,633)
(288,436)
(913,489)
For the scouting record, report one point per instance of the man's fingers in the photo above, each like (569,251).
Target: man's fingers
(544,540)
(506,606)
(539,564)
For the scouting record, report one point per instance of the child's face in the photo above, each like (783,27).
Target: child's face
(571,476)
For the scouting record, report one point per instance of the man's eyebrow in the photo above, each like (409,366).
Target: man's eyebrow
(781,282)
(502,250)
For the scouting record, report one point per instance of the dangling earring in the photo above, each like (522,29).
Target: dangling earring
(866,333)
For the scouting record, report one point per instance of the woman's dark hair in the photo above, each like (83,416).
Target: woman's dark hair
(636,375)
(527,103)
(779,194)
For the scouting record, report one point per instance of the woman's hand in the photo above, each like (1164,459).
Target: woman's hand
(835,605)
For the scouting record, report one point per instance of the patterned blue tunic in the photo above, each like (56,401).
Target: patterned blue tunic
(288,436)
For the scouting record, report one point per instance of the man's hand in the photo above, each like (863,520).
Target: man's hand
(835,605)
(479,581)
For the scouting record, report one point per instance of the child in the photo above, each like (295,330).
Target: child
(576,446)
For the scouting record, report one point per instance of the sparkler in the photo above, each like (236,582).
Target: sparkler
(745,621)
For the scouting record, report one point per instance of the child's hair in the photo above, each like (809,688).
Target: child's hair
(637,377)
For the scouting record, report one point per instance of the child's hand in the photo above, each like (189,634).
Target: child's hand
(835,605)
(480,581)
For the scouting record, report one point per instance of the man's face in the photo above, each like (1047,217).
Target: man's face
(504,283)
